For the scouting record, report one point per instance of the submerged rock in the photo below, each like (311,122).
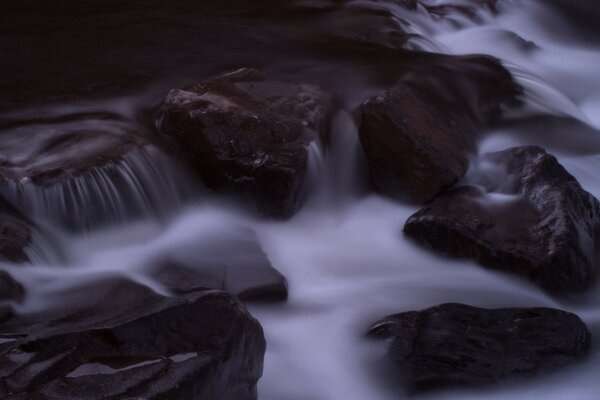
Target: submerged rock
(456,344)
(248,136)
(202,346)
(418,135)
(522,213)
(233,261)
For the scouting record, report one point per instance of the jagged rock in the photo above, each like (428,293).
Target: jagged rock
(203,346)
(248,136)
(456,344)
(526,215)
(418,135)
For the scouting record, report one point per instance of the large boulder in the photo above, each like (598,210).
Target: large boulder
(418,135)
(456,344)
(134,343)
(521,213)
(248,136)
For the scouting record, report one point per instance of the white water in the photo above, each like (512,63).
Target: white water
(145,183)
(344,255)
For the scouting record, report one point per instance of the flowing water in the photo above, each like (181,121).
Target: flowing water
(344,255)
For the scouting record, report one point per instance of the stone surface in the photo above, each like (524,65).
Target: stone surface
(203,346)
(232,260)
(10,289)
(521,212)
(456,344)
(418,135)
(15,234)
(248,136)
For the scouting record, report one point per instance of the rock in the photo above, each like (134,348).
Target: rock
(10,289)
(203,346)
(245,272)
(418,135)
(526,215)
(248,136)
(456,344)
(15,235)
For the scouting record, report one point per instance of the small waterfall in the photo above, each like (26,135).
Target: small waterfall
(145,182)
(540,96)
(335,177)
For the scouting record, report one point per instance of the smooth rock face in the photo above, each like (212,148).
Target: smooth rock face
(201,346)
(527,215)
(248,136)
(456,344)
(418,135)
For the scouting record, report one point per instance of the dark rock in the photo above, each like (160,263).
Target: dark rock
(526,215)
(245,272)
(418,135)
(10,289)
(456,344)
(203,346)
(15,235)
(248,136)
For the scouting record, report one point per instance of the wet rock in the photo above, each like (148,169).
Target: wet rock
(456,344)
(15,235)
(418,135)
(521,212)
(10,289)
(203,346)
(245,272)
(248,136)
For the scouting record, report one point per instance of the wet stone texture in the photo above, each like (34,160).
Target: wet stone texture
(248,136)
(418,135)
(203,346)
(456,344)
(529,217)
